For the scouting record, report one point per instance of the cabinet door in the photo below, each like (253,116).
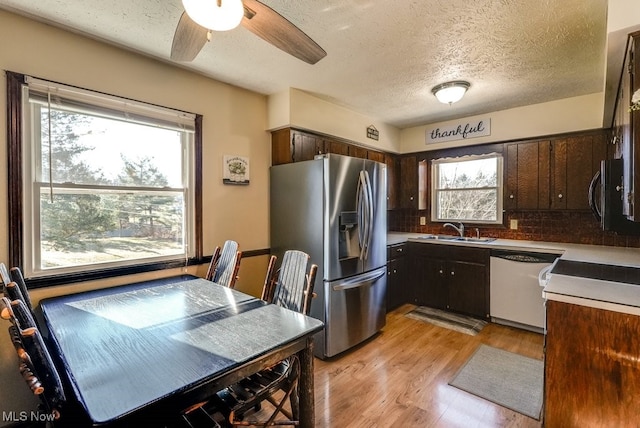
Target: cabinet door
(375,156)
(467,288)
(431,285)
(574,162)
(530,176)
(558,192)
(306,146)
(396,295)
(357,152)
(392,181)
(281,147)
(336,147)
(511,177)
(408,182)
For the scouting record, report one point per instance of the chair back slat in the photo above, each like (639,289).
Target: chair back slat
(293,289)
(13,292)
(16,312)
(16,276)
(14,335)
(267,288)
(23,314)
(4,275)
(309,294)
(226,269)
(214,262)
(43,367)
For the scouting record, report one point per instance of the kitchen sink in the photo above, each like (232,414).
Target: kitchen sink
(454,238)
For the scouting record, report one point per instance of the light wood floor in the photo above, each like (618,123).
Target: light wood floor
(399,378)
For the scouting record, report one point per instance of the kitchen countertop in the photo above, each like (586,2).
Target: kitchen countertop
(597,293)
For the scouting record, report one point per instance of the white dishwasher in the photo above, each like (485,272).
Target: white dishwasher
(515,292)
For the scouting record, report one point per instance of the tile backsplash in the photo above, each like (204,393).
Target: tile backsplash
(576,227)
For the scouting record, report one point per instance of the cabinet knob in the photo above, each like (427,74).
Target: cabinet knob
(399,250)
(411,198)
(511,196)
(619,188)
(560,195)
(440,271)
(452,273)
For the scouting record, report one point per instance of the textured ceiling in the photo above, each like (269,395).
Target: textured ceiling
(383,57)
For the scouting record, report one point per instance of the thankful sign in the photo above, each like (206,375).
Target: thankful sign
(460,131)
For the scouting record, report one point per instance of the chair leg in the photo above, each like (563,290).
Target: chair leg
(295,403)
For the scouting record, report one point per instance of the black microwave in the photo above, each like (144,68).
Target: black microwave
(605,198)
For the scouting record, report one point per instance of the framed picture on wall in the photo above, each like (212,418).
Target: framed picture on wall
(235,169)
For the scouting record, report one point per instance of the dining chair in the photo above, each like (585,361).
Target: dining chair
(225,264)
(291,287)
(35,363)
(14,286)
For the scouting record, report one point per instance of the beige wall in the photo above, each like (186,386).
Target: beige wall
(556,117)
(622,14)
(234,122)
(300,109)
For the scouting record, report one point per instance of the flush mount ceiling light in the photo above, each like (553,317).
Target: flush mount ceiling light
(450,92)
(217,15)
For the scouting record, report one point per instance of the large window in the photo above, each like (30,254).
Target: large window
(467,189)
(106,182)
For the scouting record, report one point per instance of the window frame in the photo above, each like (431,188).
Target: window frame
(499,188)
(16,234)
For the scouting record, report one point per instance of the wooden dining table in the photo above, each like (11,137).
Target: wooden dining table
(148,350)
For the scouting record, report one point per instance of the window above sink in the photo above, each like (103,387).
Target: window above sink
(467,188)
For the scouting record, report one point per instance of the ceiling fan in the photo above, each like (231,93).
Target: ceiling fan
(195,28)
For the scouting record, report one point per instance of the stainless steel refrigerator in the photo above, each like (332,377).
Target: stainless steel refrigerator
(334,208)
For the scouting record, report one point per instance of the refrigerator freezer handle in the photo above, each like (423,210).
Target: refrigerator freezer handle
(360,280)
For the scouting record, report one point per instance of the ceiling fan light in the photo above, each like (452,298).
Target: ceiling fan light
(217,15)
(450,92)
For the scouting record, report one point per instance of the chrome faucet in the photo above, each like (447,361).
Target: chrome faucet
(459,228)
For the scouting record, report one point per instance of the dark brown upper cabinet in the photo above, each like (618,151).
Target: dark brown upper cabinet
(408,182)
(392,181)
(553,174)
(288,145)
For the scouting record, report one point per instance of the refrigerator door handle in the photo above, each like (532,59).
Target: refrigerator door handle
(361,207)
(360,280)
(369,193)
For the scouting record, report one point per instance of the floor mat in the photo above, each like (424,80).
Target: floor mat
(510,380)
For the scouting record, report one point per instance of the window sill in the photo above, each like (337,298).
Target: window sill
(76,277)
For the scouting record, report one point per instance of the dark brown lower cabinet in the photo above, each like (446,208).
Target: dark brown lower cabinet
(592,367)
(396,274)
(450,277)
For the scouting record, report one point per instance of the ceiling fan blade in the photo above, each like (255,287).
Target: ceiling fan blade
(188,39)
(268,24)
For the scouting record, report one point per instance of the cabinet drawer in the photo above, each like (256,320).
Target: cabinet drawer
(452,252)
(396,250)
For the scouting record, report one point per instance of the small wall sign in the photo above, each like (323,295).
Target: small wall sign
(460,131)
(235,170)
(372,133)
